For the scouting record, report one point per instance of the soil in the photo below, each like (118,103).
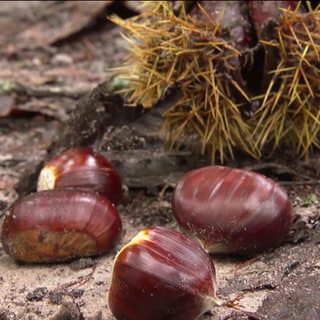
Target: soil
(54,95)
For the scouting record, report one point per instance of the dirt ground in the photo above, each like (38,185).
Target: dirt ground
(54,64)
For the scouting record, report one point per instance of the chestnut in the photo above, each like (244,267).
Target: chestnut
(59,225)
(162,274)
(81,167)
(232,210)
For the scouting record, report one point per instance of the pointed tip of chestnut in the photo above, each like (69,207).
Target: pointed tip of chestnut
(232,210)
(60,225)
(81,167)
(162,274)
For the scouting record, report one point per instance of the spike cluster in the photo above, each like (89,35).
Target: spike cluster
(290,110)
(197,54)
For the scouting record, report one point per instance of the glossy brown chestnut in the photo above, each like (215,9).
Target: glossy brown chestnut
(81,167)
(232,210)
(162,274)
(59,225)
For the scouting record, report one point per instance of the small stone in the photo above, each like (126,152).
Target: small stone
(56,297)
(38,294)
(76,293)
(61,59)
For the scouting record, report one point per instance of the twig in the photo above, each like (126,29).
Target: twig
(269,165)
(300,183)
(44,91)
(47,91)
(79,281)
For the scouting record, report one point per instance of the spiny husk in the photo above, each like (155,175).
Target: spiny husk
(174,50)
(170,49)
(290,112)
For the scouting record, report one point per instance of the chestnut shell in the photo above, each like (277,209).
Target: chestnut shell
(59,225)
(162,274)
(81,167)
(232,210)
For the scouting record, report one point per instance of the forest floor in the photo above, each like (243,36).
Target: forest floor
(54,54)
